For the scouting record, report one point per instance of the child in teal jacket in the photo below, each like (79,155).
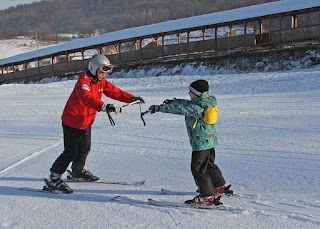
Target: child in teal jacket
(203,140)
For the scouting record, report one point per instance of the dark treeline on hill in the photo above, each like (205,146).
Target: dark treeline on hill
(88,17)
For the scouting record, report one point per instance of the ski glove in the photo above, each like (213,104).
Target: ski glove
(154,108)
(111,108)
(141,98)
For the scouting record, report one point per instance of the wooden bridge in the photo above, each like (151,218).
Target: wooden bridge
(255,28)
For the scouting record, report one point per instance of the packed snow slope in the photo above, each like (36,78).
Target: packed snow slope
(269,150)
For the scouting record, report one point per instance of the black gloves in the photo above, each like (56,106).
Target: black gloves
(154,108)
(141,98)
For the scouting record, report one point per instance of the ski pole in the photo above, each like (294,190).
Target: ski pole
(145,112)
(132,103)
(142,114)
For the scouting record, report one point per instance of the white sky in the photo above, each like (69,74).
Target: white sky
(4,4)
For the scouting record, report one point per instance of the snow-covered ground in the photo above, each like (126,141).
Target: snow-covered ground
(269,150)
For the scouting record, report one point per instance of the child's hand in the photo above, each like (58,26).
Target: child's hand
(154,108)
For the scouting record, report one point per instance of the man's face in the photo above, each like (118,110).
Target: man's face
(100,74)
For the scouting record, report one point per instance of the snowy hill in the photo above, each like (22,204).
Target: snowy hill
(19,45)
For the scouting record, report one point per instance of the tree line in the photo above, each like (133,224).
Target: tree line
(87,17)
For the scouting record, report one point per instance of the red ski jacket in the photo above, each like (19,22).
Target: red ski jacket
(85,100)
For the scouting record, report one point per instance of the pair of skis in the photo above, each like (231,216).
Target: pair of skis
(135,183)
(159,203)
(47,190)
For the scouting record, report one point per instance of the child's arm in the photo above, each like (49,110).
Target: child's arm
(182,107)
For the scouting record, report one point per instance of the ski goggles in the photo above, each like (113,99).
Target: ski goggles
(106,68)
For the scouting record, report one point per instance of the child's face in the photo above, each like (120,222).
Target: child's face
(192,96)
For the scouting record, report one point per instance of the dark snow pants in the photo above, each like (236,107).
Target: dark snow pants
(206,173)
(77,144)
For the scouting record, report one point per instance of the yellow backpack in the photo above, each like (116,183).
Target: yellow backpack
(210,116)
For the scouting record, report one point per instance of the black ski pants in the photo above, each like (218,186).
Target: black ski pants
(206,173)
(77,144)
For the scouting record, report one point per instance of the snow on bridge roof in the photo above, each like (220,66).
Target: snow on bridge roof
(170,26)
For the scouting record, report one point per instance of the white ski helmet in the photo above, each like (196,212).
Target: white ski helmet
(101,62)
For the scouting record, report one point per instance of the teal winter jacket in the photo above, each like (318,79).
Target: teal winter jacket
(201,135)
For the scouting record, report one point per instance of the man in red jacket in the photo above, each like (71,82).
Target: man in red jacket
(78,117)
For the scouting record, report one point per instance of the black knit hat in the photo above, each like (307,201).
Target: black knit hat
(198,87)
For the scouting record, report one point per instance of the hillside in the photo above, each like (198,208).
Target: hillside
(87,17)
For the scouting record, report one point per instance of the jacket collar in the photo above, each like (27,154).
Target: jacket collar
(92,78)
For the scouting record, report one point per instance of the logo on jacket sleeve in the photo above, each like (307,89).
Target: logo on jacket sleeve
(85,87)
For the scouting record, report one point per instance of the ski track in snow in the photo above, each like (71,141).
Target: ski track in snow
(27,158)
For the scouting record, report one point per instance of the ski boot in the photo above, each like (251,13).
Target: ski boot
(57,186)
(224,190)
(82,176)
(204,201)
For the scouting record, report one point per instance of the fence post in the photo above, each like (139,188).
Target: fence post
(280,31)
(163,46)
(188,41)
(245,37)
(216,40)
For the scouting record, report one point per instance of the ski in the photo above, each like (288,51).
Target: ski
(128,200)
(170,192)
(72,179)
(42,190)
(113,198)
(160,203)
(125,200)
(46,189)
(134,183)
